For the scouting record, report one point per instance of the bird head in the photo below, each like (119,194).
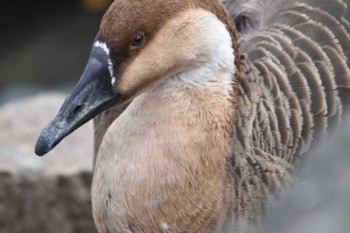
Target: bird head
(141,44)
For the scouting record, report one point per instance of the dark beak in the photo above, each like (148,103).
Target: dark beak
(93,94)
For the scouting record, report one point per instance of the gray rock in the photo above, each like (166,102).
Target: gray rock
(43,194)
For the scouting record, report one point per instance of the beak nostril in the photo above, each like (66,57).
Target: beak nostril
(75,111)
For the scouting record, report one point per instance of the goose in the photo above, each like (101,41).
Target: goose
(204,110)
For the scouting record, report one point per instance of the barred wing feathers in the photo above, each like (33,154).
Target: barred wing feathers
(294,90)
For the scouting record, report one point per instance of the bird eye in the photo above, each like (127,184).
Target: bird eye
(138,41)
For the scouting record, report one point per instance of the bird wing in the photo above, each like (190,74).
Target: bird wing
(253,15)
(294,88)
(295,68)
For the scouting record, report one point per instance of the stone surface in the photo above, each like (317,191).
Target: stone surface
(43,194)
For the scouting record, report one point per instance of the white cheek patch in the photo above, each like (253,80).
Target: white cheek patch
(217,66)
(102,45)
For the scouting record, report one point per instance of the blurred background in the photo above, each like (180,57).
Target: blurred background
(45,44)
(43,50)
